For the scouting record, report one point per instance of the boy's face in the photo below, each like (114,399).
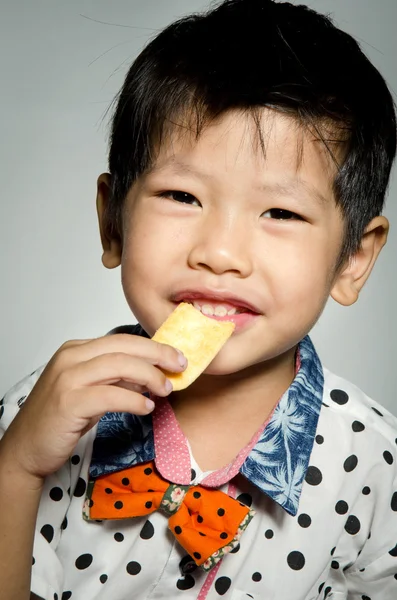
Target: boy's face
(215,217)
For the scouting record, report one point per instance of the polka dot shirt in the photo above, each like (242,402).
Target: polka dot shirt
(320,475)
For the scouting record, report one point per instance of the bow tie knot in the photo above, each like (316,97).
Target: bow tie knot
(207,522)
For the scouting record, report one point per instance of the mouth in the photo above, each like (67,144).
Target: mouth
(220,306)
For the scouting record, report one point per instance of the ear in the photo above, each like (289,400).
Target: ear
(111,242)
(352,278)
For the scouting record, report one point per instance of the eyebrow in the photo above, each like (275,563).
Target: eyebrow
(179,167)
(293,187)
(290,187)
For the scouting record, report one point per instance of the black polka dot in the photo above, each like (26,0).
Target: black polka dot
(196,495)
(341,507)
(335,564)
(296,560)
(350,463)
(75,459)
(199,519)
(118,505)
(33,560)
(366,490)
(393,503)
(83,561)
(47,531)
(327,591)
(66,595)
(352,525)
(193,475)
(313,476)
(147,531)
(333,551)
(148,504)
(365,597)
(187,565)
(148,471)
(64,523)
(178,530)
(245,499)
(304,520)
(221,512)
(222,584)
(223,535)
(256,577)
(235,550)
(56,494)
(1,411)
(357,426)
(55,596)
(339,396)
(319,439)
(320,589)
(269,533)
(388,457)
(118,537)
(125,481)
(103,578)
(377,411)
(202,534)
(108,490)
(393,551)
(186,582)
(197,555)
(80,488)
(133,568)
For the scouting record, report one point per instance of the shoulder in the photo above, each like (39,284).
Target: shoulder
(354,417)
(16,396)
(347,399)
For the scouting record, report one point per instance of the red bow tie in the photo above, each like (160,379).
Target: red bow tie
(206,522)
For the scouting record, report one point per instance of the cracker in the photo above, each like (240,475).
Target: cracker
(199,338)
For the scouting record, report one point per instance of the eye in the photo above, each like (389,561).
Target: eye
(181,197)
(281,215)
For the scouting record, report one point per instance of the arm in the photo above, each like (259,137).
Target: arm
(83,381)
(19,501)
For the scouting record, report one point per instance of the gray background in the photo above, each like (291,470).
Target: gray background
(61,63)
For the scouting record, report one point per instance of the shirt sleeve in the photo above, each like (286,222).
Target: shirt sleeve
(374,575)
(47,572)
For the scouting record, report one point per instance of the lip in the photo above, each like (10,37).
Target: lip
(216,295)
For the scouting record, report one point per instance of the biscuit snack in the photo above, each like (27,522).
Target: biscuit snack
(199,338)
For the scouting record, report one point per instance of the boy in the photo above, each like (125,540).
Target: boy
(250,154)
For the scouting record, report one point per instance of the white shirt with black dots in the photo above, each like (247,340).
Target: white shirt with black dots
(340,544)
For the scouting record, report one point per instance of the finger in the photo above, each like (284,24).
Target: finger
(162,355)
(108,369)
(94,402)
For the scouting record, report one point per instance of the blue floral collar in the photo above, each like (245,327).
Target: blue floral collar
(278,462)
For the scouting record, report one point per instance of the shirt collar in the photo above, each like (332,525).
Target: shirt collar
(277,463)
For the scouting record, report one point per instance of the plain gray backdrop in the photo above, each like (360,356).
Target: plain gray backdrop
(61,64)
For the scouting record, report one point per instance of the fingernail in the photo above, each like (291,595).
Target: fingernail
(168,386)
(150,404)
(182,359)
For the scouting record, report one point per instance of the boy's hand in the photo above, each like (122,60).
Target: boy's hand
(84,380)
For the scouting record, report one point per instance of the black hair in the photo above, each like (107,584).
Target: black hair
(249,54)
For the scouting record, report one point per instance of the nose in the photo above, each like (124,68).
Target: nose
(221,245)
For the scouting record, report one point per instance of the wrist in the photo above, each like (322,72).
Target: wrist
(12,471)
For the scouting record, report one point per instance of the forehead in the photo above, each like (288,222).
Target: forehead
(267,148)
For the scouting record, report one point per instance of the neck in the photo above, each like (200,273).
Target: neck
(253,392)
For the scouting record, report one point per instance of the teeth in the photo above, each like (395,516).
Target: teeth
(219,310)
